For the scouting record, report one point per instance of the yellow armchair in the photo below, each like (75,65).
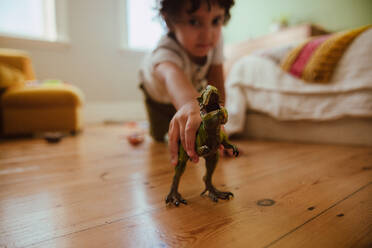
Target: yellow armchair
(29,107)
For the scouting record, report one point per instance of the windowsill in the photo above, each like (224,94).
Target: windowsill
(12,40)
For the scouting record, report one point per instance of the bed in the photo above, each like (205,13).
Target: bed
(266,102)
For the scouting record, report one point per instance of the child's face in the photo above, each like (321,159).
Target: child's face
(199,31)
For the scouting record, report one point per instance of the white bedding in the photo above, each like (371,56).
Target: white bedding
(257,83)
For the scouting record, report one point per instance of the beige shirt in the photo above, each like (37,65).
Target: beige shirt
(169,50)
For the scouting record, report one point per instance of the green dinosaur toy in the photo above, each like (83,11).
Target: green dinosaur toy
(209,137)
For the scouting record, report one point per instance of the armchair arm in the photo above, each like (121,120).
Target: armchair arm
(18,59)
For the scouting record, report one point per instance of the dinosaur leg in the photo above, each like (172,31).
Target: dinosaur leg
(173,196)
(213,193)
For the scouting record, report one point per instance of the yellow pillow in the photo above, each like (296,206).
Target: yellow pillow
(10,76)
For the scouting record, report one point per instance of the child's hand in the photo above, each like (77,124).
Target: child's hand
(184,126)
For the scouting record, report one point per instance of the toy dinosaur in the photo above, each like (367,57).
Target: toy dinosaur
(209,137)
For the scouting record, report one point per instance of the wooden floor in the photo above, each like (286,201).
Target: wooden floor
(95,190)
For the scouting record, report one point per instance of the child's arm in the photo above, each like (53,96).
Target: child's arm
(187,119)
(215,78)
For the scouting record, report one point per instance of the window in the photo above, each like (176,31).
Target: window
(143,26)
(34,19)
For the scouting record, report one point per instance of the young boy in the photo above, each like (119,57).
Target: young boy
(185,60)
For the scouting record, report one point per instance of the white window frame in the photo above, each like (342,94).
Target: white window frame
(57,35)
(124,28)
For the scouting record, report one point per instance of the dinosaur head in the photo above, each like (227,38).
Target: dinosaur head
(209,99)
(210,108)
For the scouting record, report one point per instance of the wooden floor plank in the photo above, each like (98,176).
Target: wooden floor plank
(94,190)
(347,223)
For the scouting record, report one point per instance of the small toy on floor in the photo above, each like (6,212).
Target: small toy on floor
(135,138)
(53,137)
(137,132)
(208,141)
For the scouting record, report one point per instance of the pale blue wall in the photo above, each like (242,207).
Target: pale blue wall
(251,18)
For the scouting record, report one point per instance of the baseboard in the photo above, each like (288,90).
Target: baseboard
(347,131)
(98,112)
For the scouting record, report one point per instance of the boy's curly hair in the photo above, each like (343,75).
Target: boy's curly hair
(172,8)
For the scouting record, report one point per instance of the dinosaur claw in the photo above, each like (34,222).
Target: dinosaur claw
(175,198)
(235,151)
(215,194)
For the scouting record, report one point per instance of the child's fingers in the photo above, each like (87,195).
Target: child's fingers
(190,133)
(181,131)
(173,135)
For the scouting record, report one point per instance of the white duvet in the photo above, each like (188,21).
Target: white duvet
(257,83)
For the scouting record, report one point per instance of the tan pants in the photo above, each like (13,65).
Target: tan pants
(159,116)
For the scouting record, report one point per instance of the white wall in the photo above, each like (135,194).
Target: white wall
(92,60)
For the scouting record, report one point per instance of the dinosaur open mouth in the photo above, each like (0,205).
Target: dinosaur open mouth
(213,103)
